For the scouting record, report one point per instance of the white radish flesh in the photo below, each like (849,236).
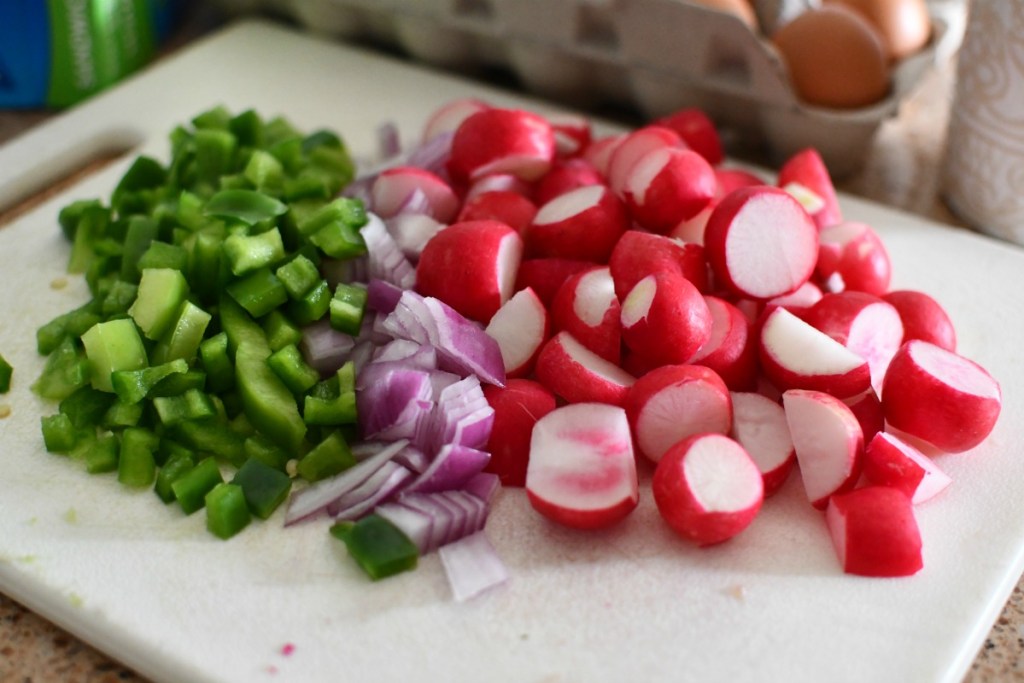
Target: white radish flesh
(579,375)
(759,425)
(520,327)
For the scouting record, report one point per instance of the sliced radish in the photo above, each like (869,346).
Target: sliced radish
(502,141)
(666,186)
(517,407)
(566,176)
(807,169)
(891,461)
(799,301)
(692,229)
(674,402)
(795,355)
(731,351)
(940,397)
(852,256)
(867,408)
(395,188)
(546,275)
(864,324)
(707,488)
(572,133)
(923,318)
(639,254)
(582,224)
(635,145)
(449,117)
(505,206)
(697,131)
(761,243)
(828,442)
(520,327)
(587,308)
(730,179)
(874,532)
(582,471)
(599,152)
(759,425)
(665,319)
(471,266)
(579,375)
(498,182)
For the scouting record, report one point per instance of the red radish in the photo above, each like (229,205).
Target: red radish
(923,318)
(471,267)
(520,327)
(852,256)
(942,398)
(396,189)
(828,442)
(639,254)
(806,168)
(874,532)
(864,324)
(502,141)
(668,185)
(505,206)
(517,407)
(586,307)
(759,425)
(867,408)
(598,153)
(572,133)
(799,301)
(730,179)
(566,176)
(546,275)
(582,471)
(665,319)
(675,402)
(731,351)
(761,243)
(637,365)
(579,375)
(692,230)
(498,182)
(697,131)
(795,355)
(583,224)
(635,145)
(449,117)
(707,488)
(890,461)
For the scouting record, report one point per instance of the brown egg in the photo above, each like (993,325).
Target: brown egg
(835,57)
(904,25)
(741,8)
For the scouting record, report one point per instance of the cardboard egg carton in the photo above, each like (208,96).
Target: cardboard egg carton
(655,56)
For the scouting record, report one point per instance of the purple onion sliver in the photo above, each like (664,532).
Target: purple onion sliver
(483,486)
(441,380)
(472,566)
(382,296)
(460,518)
(441,516)
(325,348)
(361,354)
(389,396)
(476,510)
(452,466)
(415,524)
(389,143)
(409,423)
(465,346)
(474,430)
(433,154)
(412,458)
(389,487)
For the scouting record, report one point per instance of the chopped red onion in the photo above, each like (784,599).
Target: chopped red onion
(325,348)
(433,154)
(451,468)
(362,354)
(417,525)
(360,501)
(472,566)
(484,486)
(389,143)
(337,271)
(441,380)
(361,189)
(407,353)
(412,231)
(413,459)
(442,517)
(388,397)
(382,296)
(386,260)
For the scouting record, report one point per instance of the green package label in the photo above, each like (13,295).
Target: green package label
(95,43)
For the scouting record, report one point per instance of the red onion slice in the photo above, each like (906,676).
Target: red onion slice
(484,486)
(442,517)
(382,296)
(388,397)
(417,525)
(452,467)
(325,348)
(383,484)
(472,566)
(386,261)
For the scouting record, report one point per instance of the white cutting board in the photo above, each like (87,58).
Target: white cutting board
(153,589)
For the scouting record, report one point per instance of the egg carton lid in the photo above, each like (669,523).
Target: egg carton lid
(655,56)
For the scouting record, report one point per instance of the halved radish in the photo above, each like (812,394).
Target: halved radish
(449,117)
(579,375)
(636,144)
(498,182)
(674,402)
(665,319)
(505,206)
(520,327)
(502,141)
(807,169)
(852,256)
(668,185)
(692,229)
(942,398)
(547,275)
(582,471)
(891,461)
(864,324)
(707,488)
(730,179)
(471,267)
(795,355)
(572,133)
(867,408)
(698,132)
(639,254)
(799,301)
(412,231)
(586,307)
(598,153)
(923,318)
(566,176)
(731,351)
(828,442)
(759,425)
(874,532)
(582,224)
(517,407)
(761,243)
(402,189)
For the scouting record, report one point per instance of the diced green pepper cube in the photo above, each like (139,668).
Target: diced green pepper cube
(102,455)
(259,292)
(120,298)
(179,383)
(190,489)
(145,173)
(66,370)
(161,293)
(264,172)
(327,458)
(259,447)
(227,512)
(280,330)
(268,402)
(215,150)
(131,386)
(164,255)
(248,128)
(121,415)
(378,546)
(6,371)
(340,240)
(277,129)
(215,438)
(216,118)
(191,405)
(247,207)
(298,276)
(246,253)
(220,371)
(70,216)
(59,435)
(175,468)
(288,364)
(208,267)
(71,324)
(182,340)
(142,230)
(347,308)
(346,375)
(313,306)
(265,487)
(344,210)
(136,466)
(111,346)
(87,406)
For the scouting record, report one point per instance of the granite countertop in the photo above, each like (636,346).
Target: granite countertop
(902,170)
